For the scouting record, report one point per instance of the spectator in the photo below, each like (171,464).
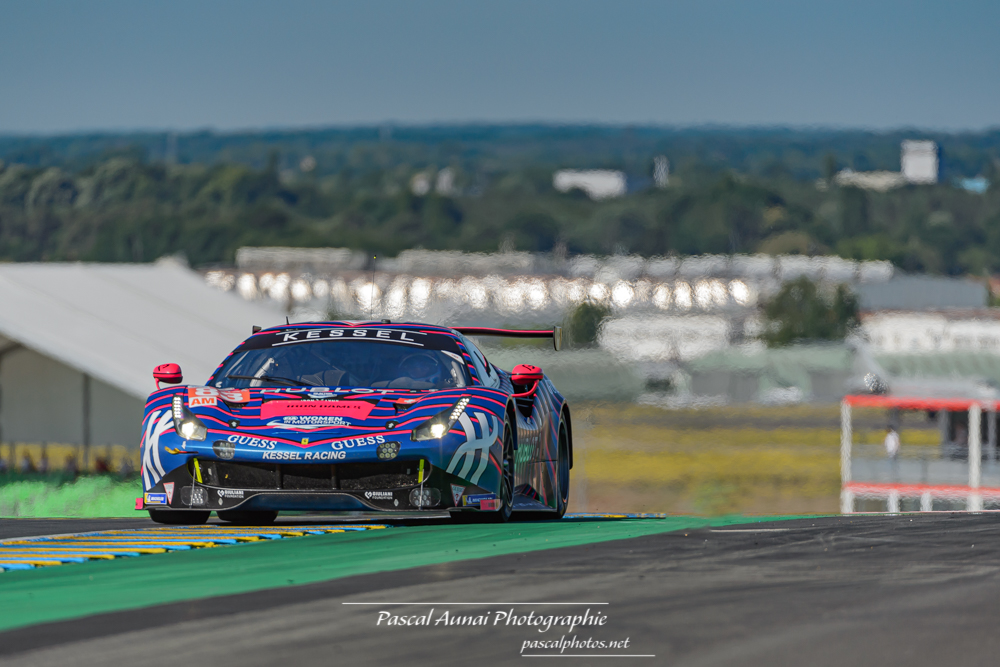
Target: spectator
(891,442)
(101,465)
(71,468)
(27,463)
(125,470)
(3,465)
(43,462)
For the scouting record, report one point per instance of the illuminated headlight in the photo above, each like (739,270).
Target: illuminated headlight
(186,423)
(438,426)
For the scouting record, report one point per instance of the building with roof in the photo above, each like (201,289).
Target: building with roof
(923,293)
(597,183)
(78,343)
(918,161)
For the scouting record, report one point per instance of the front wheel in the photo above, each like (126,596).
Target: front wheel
(247,518)
(179,517)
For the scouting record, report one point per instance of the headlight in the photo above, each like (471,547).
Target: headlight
(421,498)
(186,423)
(438,426)
(387,451)
(224,449)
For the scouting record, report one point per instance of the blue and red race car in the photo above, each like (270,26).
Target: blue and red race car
(357,416)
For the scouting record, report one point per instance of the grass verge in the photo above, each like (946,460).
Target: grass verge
(91,496)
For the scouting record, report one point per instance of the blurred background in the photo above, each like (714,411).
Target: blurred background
(741,213)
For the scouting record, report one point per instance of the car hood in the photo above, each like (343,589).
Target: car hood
(319,412)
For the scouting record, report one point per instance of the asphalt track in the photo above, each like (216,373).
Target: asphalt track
(887,590)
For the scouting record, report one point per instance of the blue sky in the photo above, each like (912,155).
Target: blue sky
(69,66)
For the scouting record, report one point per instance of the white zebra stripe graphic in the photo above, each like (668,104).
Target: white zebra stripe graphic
(152,469)
(490,428)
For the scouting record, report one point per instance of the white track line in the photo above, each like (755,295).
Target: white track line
(750,530)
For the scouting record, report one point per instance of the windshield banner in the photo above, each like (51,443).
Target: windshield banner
(310,408)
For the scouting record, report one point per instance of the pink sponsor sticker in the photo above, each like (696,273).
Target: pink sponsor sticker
(490,505)
(201,401)
(310,408)
(208,395)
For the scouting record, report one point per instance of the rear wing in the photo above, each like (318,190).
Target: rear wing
(555,333)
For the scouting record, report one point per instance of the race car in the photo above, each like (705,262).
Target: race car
(357,416)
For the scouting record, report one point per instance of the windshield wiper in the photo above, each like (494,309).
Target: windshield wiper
(271,378)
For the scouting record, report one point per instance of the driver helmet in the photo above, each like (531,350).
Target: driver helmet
(421,367)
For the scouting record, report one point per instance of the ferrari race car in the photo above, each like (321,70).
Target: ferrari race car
(357,416)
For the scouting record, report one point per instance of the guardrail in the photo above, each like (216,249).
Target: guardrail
(953,477)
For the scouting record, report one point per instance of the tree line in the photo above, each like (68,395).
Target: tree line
(124,206)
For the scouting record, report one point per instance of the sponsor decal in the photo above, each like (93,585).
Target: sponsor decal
(202,401)
(347,443)
(358,442)
(309,335)
(230,493)
(156,499)
(282,456)
(525,448)
(456,492)
(490,505)
(490,428)
(342,391)
(228,395)
(316,408)
(378,495)
(308,422)
(479,499)
(325,456)
(169,488)
(252,442)
(322,394)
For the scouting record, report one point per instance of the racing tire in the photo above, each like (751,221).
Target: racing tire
(247,518)
(562,477)
(506,486)
(179,517)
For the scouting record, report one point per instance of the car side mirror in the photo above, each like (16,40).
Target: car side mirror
(525,378)
(168,374)
(557,338)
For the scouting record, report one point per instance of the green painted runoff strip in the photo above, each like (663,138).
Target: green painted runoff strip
(73,591)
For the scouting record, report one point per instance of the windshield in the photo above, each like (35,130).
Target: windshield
(344,363)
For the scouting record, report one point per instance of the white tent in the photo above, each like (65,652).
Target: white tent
(78,343)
